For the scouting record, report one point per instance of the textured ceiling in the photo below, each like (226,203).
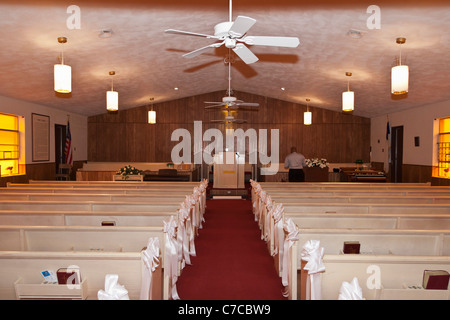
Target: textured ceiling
(149,63)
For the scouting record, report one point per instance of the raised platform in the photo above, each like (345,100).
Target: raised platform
(229,192)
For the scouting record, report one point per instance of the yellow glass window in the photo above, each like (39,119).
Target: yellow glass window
(9,144)
(444,148)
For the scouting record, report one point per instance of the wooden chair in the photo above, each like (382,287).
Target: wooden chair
(64,171)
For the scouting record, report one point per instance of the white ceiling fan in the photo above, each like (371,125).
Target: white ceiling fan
(230,102)
(232,35)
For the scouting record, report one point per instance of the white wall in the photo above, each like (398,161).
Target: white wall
(417,122)
(78,126)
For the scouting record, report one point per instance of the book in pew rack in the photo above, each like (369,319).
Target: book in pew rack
(351,247)
(435,279)
(69,275)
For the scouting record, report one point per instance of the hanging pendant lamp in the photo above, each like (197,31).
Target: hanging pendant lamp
(307,116)
(400,74)
(62,73)
(348,97)
(112,97)
(152,114)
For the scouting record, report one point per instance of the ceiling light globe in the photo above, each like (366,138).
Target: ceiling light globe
(399,80)
(62,78)
(348,101)
(112,100)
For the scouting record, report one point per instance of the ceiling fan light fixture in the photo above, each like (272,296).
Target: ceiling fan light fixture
(348,97)
(62,73)
(112,97)
(400,74)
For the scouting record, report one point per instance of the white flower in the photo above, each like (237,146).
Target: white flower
(316,162)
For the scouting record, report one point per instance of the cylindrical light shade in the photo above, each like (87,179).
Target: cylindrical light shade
(307,118)
(399,80)
(152,117)
(112,100)
(63,78)
(348,101)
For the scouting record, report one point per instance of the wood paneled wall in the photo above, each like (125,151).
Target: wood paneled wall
(126,135)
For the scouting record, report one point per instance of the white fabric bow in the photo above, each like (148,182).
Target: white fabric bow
(291,231)
(257,191)
(268,217)
(277,214)
(312,253)
(185,235)
(150,259)
(171,256)
(350,291)
(113,290)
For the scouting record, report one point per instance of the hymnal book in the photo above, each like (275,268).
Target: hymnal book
(68,276)
(436,279)
(351,247)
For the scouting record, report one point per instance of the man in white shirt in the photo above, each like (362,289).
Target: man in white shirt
(295,163)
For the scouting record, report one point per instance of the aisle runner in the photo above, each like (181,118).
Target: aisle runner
(232,261)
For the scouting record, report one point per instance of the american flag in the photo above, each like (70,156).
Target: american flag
(68,149)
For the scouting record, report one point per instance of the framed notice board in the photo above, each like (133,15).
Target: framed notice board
(41,137)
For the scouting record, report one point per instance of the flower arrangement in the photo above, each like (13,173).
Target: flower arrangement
(128,171)
(316,162)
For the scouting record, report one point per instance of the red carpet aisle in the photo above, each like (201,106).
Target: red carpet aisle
(232,261)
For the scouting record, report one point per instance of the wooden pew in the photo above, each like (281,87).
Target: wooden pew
(69,196)
(128,184)
(374,208)
(149,208)
(381,241)
(355,185)
(395,249)
(433,242)
(396,274)
(305,199)
(98,190)
(90,206)
(426,191)
(97,251)
(22,269)
(78,238)
(84,218)
(379,221)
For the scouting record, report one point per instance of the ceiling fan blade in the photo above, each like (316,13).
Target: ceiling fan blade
(289,42)
(238,121)
(245,54)
(201,50)
(214,106)
(248,104)
(187,33)
(240,26)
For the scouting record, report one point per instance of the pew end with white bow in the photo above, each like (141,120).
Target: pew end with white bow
(152,283)
(313,254)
